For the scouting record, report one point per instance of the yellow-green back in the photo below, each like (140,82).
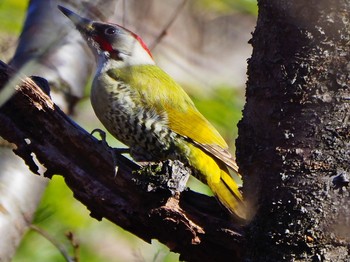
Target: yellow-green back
(159,91)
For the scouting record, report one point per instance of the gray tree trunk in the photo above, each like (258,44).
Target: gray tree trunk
(294,138)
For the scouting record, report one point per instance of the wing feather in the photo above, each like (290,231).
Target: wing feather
(157,90)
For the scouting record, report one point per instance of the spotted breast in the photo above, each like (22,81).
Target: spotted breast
(121,110)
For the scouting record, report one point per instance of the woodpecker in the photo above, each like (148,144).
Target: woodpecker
(143,107)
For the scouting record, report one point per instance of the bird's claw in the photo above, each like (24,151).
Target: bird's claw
(113,151)
(101,133)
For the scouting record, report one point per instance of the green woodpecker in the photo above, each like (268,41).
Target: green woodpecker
(147,110)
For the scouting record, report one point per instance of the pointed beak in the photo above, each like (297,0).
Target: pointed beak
(84,25)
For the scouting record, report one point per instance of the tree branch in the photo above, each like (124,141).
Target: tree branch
(188,223)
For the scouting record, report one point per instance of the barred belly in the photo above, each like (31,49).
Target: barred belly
(143,129)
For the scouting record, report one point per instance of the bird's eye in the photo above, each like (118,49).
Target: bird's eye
(110,31)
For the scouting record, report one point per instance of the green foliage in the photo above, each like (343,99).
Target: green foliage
(10,10)
(60,213)
(228,6)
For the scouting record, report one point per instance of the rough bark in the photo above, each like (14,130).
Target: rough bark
(52,52)
(189,223)
(294,138)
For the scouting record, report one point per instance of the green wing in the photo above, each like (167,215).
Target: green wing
(159,91)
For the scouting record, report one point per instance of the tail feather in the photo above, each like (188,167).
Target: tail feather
(215,174)
(227,192)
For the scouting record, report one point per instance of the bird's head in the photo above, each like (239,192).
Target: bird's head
(111,40)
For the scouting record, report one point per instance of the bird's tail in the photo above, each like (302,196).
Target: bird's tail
(227,192)
(216,175)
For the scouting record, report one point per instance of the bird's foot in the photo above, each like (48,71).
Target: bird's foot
(114,151)
(102,135)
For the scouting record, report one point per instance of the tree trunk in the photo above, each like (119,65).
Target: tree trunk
(294,138)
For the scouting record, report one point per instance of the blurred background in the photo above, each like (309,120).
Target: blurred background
(204,47)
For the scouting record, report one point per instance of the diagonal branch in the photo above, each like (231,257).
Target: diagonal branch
(188,223)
